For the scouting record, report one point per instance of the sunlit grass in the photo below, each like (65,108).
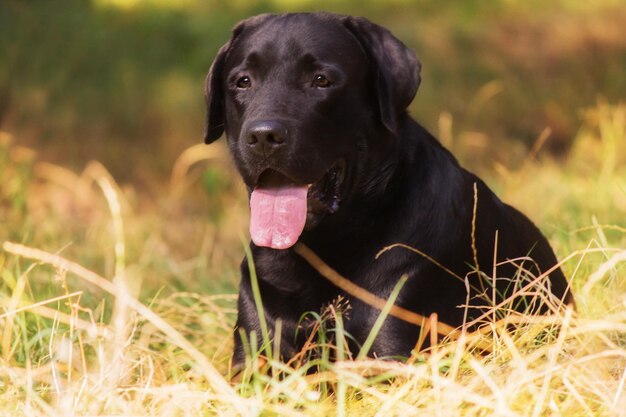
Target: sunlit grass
(96,319)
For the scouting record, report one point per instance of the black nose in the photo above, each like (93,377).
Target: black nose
(266,136)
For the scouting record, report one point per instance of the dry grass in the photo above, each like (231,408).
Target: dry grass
(90,326)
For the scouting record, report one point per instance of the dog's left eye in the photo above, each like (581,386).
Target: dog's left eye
(320,81)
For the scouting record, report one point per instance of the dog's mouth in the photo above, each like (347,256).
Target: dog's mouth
(281,207)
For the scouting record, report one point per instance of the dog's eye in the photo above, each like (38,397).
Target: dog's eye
(320,81)
(244,82)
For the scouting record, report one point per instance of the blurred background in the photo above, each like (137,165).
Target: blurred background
(121,82)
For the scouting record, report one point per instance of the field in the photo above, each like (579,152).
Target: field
(118,286)
(93,323)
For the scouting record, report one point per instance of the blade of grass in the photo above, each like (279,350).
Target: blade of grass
(378,324)
(121,314)
(256,293)
(341,354)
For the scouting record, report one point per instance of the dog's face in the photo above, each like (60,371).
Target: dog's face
(305,99)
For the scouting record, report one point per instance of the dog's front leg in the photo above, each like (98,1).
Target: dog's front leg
(249,332)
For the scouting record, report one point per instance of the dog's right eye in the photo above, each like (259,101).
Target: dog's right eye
(244,82)
(320,81)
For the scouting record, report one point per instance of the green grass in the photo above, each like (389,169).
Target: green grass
(115,301)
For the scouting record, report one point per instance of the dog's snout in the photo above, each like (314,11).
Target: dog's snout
(265,136)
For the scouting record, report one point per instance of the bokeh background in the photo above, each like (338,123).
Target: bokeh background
(121,82)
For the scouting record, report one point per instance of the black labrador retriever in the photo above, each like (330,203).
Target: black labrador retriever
(314,110)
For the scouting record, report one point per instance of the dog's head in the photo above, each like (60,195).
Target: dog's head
(307,102)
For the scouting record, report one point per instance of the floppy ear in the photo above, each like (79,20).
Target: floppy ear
(214,92)
(213,88)
(396,68)
(214,97)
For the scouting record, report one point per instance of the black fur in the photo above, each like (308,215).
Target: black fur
(400,186)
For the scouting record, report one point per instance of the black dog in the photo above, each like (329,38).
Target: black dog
(314,109)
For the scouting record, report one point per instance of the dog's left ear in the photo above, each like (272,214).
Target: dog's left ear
(396,68)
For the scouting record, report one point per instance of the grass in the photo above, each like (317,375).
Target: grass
(118,302)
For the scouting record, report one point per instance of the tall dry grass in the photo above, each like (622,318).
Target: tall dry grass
(90,323)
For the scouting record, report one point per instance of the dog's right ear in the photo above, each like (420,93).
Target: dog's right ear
(213,88)
(214,92)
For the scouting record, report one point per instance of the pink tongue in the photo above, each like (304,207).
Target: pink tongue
(277,215)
